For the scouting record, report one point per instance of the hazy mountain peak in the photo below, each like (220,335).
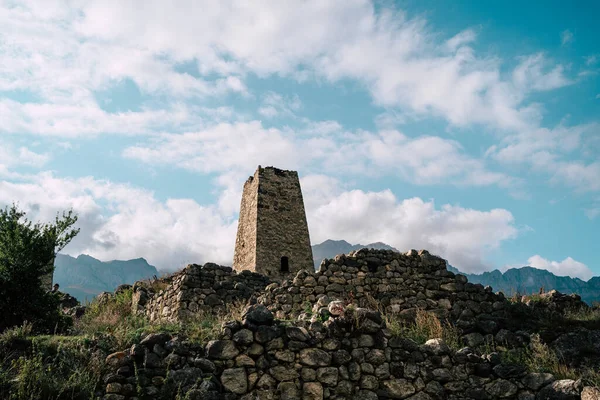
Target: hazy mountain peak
(85,276)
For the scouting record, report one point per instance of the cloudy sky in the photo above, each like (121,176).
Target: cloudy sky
(465,128)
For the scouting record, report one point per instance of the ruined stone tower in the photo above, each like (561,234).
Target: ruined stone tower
(272,237)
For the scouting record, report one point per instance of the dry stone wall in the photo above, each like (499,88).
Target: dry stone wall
(200,288)
(350,356)
(397,283)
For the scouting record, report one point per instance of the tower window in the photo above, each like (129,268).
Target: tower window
(285,264)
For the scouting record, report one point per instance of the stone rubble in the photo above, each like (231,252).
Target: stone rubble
(199,288)
(397,283)
(341,358)
(320,335)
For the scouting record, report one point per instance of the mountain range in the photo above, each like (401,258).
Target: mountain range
(85,277)
(527,280)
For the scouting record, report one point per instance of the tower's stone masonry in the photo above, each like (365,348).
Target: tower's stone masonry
(273,236)
(245,242)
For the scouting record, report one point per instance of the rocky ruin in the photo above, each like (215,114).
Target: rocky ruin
(352,356)
(196,289)
(321,335)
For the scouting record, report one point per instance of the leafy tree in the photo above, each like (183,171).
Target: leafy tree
(27,254)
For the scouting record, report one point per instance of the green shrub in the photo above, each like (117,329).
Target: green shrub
(111,323)
(27,253)
(55,367)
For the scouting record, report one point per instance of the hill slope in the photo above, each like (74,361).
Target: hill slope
(84,277)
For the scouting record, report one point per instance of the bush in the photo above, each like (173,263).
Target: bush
(52,368)
(109,320)
(27,254)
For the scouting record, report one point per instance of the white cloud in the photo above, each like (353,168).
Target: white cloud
(66,120)
(566,267)
(120,221)
(235,149)
(67,54)
(11,156)
(532,74)
(592,213)
(221,148)
(579,175)
(566,37)
(591,59)
(554,152)
(275,104)
(460,39)
(463,236)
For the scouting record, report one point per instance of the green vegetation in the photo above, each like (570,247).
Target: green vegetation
(425,326)
(70,367)
(112,324)
(47,367)
(589,315)
(27,253)
(539,357)
(547,322)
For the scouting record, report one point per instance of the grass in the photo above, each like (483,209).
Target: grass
(537,357)
(115,327)
(157,285)
(425,326)
(53,367)
(541,358)
(590,314)
(15,334)
(549,324)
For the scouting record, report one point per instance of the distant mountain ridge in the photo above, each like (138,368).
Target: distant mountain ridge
(85,277)
(331,248)
(528,280)
(524,280)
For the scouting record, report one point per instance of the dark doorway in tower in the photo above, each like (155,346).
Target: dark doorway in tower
(285,264)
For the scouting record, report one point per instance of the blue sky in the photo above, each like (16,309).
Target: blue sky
(466,128)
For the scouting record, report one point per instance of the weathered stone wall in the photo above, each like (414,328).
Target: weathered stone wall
(280,227)
(554,301)
(398,282)
(351,356)
(200,288)
(244,257)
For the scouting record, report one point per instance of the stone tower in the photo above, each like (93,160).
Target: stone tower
(272,237)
